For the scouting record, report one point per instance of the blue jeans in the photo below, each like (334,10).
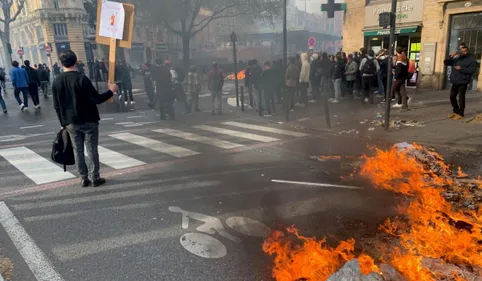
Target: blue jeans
(381,91)
(24,91)
(86,134)
(2,102)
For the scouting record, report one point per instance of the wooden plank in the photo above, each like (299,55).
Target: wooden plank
(112,54)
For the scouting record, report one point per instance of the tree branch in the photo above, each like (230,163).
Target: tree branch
(210,19)
(20,4)
(194,15)
(213,16)
(172,29)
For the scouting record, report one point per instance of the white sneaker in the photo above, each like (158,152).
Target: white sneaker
(397,106)
(331,99)
(335,101)
(25,108)
(366,99)
(133,103)
(312,101)
(22,106)
(409,100)
(37,106)
(267,115)
(297,104)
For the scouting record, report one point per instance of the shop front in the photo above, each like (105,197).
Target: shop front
(408,30)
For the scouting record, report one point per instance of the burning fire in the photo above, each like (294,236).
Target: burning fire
(241,75)
(430,227)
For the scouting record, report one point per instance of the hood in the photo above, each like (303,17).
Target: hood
(402,58)
(304,57)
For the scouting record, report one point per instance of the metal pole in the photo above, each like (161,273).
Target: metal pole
(285,59)
(242,98)
(235,58)
(388,90)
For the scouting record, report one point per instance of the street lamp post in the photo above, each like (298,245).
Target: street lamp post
(285,59)
(235,58)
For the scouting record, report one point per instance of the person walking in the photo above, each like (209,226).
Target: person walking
(163,80)
(20,80)
(315,77)
(56,69)
(292,77)
(126,72)
(215,85)
(75,102)
(193,89)
(351,69)
(44,78)
(3,80)
(399,80)
(33,84)
(304,79)
(463,66)
(369,68)
(269,81)
(338,75)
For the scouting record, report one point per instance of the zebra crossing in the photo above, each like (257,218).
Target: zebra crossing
(128,150)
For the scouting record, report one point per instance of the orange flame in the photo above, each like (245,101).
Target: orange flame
(241,75)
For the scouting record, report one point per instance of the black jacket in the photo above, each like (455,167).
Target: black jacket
(32,75)
(43,75)
(269,80)
(76,99)
(326,68)
(339,71)
(315,72)
(468,66)
(401,70)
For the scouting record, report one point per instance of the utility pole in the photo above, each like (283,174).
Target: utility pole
(388,96)
(285,59)
(234,38)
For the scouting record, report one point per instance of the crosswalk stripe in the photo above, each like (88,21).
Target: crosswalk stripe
(201,139)
(155,145)
(117,160)
(236,133)
(265,129)
(34,166)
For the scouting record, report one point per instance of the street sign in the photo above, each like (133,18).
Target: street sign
(311,42)
(20,52)
(48,49)
(331,7)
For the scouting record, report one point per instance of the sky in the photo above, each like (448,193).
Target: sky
(312,6)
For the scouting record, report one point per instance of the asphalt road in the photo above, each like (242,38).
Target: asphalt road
(185,200)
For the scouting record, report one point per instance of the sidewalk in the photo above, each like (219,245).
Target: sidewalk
(426,123)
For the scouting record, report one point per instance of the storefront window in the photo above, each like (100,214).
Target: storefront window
(466,28)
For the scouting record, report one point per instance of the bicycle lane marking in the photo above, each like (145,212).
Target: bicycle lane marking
(36,260)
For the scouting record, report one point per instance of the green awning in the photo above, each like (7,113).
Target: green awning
(382,32)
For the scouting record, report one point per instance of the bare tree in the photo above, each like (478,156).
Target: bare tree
(182,17)
(8,16)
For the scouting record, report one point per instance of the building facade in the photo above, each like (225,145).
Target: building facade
(428,29)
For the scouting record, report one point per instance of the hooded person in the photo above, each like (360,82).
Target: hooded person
(304,79)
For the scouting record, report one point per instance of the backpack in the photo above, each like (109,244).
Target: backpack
(369,67)
(62,150)
(218,81)
(180,74)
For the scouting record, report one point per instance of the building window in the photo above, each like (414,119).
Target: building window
(40,33)
(56,4)
(60,30)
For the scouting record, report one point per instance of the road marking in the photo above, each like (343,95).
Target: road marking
(117,160)
(107,119)
(137,90)
(317,184)
(34,166)
(135,116)
(31,127)
(201,139)
(203,245)
(236,133)
(265,129)
(248,226)
(155,145)
(204,95)
(31,253)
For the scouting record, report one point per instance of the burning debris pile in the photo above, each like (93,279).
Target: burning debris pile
(241,75)
(438,235)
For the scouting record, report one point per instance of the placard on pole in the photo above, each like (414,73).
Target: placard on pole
(112,42)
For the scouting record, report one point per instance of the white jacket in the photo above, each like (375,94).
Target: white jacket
(305,69)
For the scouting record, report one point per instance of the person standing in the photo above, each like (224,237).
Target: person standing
(400,78)
(162,77)
(463,67)
(44,78)
(369,68)
(338,74)
(148,83)
(351,70)
(20,84)
(215,85)
(127,84)
(255,81)
(304,79)
(315,77)
(269,84)
(326,74)
(33,84)
(292,77)
(193,88)
(75,102)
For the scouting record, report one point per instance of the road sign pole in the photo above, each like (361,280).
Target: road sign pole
(285,59)
(388,95)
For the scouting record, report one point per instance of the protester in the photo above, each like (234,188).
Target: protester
(280,78)
(2,102)
(326,74)
(44,79)
(463,67)
(127,84)
(351,69)
(193,89)
(177,76)
(338,75)
(269,84)
(56,69)
(215,85)
(315,77)
(399,80)
(3,80)
(20,80)
(33,84)
(75,101)
(382,74)
(369,68)
(304,79)
(162,77)
(292,77)
(148,83)
(255,81)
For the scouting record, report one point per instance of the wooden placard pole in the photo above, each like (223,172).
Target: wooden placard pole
(112,56)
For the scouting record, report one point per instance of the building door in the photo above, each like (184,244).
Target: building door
(466,28)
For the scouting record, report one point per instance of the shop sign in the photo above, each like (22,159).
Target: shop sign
(407,12)
(464,4)
(387,31)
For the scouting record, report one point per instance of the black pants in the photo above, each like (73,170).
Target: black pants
(33,91)
(166,105)
(349,88)
(399,87)
(303,88)
(127,91)
(290,97)
(366,85)
(279,91)
(458,90)
(269,101)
